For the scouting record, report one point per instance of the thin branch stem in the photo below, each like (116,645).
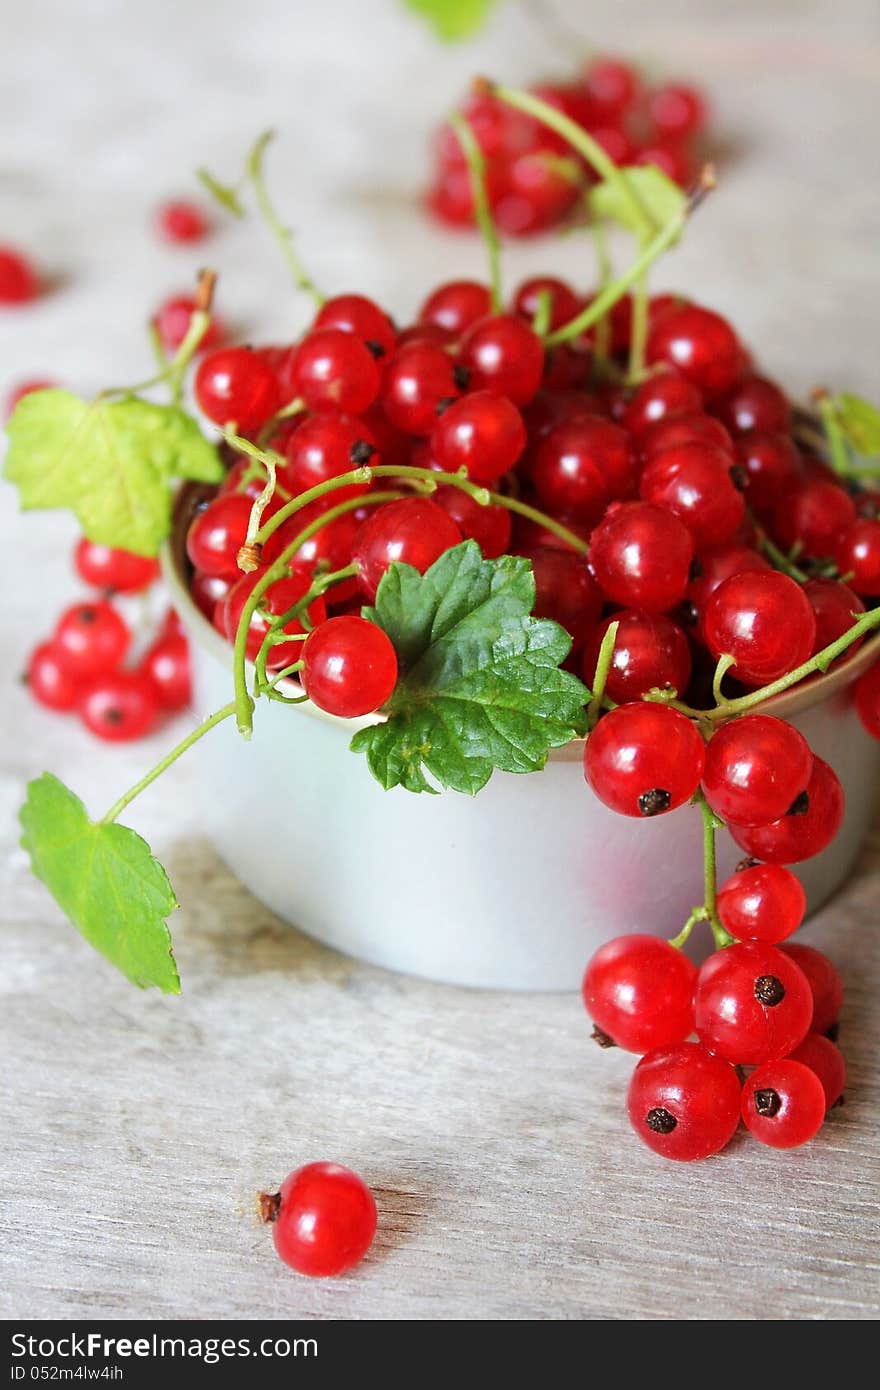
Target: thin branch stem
(205,727)
(282,234)
(600,677)
(482,211)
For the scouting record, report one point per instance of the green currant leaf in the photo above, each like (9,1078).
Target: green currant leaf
(106,881)
(109,462)
(479,684)
(860,422)
(453,19)
(661,199)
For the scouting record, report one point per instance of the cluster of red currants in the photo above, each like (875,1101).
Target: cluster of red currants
(80,668)
(533,180)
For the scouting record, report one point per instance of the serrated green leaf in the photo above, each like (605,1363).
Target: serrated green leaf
(110,462)
(453,19)
(860,422)
(106,881)
(657,195)
(480,686)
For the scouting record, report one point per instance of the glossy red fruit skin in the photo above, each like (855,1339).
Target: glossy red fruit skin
(167,665)
(564,303)
(354,313)
(324,447)
(697,428)
(565,591)
(661,397)
(641,556)
(118,706)
(755,404)
(764,621)
(796,1097)
(489,526)
(350,667)
(413,530)
(824,980)
(279,597)
(835,608)
(326,1220)
(482,433)
(764,902)
(182,222)
(216,535)
(504,356)
(19,282)
(235,385)
(456,305)
(756,766)
(330,547)
(417,379)
(772,465)
(643,759)
(700,345)
(700,1092)
(814,514)
(693,481)
(48,680)
(733,1022)
(121,571)
(650,651)
(533,194)
(91,638)
(822,1057)
(580,466)
(640,991)
(611,85)
(335,370)
(716,564)
(677,109)
(207,591)
(867,698)
(857,555)
(26,388)
(172,320)
(791,839)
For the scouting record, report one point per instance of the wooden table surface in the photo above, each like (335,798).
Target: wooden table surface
(136,1129)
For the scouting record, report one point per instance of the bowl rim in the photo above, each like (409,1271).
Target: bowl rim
(173,563)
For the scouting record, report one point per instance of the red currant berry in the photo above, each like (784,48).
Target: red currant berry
(323,1219)
(772,465)
(813,514)
(91,638)
(675,430)
(328,549)
(350,667)
(553,407)
(662,397)
(677,109)
(49,680)
(354,313)
(565,591)
(564,303)
(835,608)
(867,697)
(25,388)
(821,1056)
(580,465)
(701,345)
(617,143)
(482,433)
(324,447)
(756,768)
(641,556)
(335,370)
(172,320)
(753,1004)
(650,651)
(419,377)
(451,195)
(755,404)
(119,706)
(643,759)
(826,986)
(182,222)
(119,570)
(19,282)
(672,157)
(278,598)
(694,482)
(489,526)
(533,193)
(762,902)
(764,621)
(216,535)
(208,590)
(503,355)
(413,530)
(857,556)
(683,1102)
(235,385)
(716,564)
(811,829)
(639,991)
(783,1104)
(167,665)
(246,478)
(455,306)
(611,85)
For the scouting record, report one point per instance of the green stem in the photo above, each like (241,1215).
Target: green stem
(175,369)
(482,211)
(723,666)
(779,559)
(698,915)
(711,823)
(282,234)
(837,450)
(276,633)
(543,313)
(549,523)
(205,727)
(639,334)
(600,677)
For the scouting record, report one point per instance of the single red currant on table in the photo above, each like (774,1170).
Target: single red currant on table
(119,706)
(323,1219)
(19,282)
(349,667)
(121,571)
(639,991)
(783,1103)
(91,638)
(49,680)
(183,222)
(166,663)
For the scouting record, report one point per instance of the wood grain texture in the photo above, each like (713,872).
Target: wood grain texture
(136,1129)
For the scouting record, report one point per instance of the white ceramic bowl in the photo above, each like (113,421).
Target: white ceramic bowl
(511,889)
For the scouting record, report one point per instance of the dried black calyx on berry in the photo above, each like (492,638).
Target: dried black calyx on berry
(739,477)
(375,348)
(800,806)
(443,404)
(361,452)
(747,863)
(660,1121)
(269,1205)
(112,715)
(461,375)
(87,615)
(769,990)
(768,1103)
(603,1039)
(654,802)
